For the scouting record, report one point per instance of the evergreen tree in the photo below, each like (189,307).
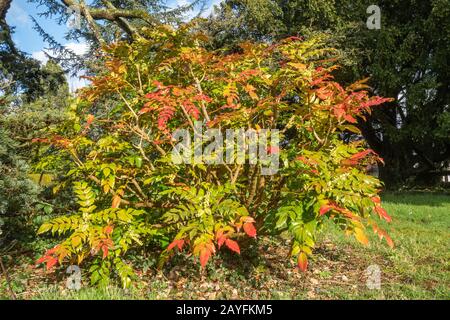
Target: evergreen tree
(407,59)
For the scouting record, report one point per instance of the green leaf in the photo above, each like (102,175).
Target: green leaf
(138,162)
(106,172)
(124,216)
(44,228)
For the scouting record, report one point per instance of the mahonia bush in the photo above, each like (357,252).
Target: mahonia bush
(115,152)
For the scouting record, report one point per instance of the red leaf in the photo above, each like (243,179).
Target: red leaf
(361,154)
(302,261)
(205,254)
(339,111)
(350,119)
(211,247)
(383,234)
(51,262)
(191,109)
(374,101)
(383,214)
(41,259)
(221,240)
(249,229)
(324,209)
(165,115)
(158,84)
(389,241)
(109,229)
(52,250)
(202,97)
(376,199)
(177,242)
(324,93)
(180,244)
(232,245)
(105,251)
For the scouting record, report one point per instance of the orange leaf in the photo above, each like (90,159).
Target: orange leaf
(249,229)
(383,234)
(51,262)
(361,154)
(105,251)
(389,241)
(324,93)
(350,119)
(376,199)
(302,261)
(177,242)
(383,214)
(347,162)
(180,244)
(90,119)
(339,111)
(109,229)
(116,201)
(324,209)
(233,245)
(42,259)
(205,254)
(221,240)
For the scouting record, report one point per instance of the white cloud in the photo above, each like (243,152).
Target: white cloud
(210,9)
(77,83)
(79,49)
(18,16)
(40,56)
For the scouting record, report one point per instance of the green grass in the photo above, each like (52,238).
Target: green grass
(417,268)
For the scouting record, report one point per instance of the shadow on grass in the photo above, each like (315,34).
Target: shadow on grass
(418,198)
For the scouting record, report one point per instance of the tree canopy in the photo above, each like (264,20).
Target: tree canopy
(407,59)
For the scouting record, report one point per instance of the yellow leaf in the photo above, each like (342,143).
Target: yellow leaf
(44,228)
(76,241)
(361,236)
(80,258)
(122,68)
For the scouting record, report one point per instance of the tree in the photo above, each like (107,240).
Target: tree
(105,21)
(20,74)
(17,191)
(132,186)
(32,97)
(407,60)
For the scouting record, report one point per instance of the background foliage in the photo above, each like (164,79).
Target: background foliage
(94,169)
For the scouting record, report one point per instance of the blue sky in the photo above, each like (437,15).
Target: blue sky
(25,37)
(28,40)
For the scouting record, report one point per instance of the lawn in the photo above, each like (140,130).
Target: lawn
(417,268)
